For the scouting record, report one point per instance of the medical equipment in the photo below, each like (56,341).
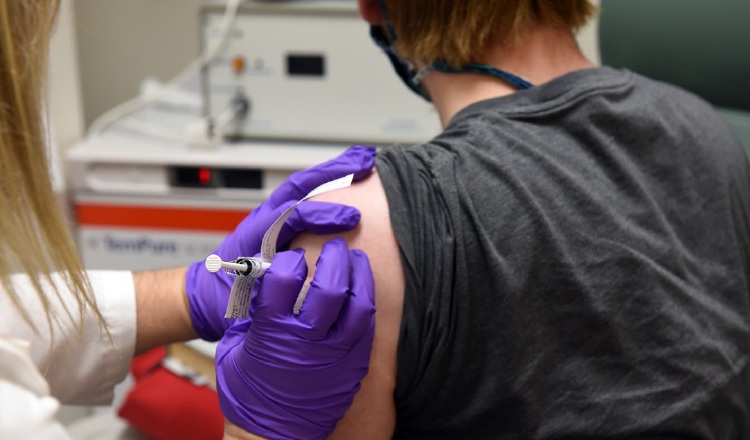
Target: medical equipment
(307,71)
(249,267)
(145,203)
(247,270)
(157,92)
(315,84)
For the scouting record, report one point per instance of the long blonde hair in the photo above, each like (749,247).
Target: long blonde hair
(34,236)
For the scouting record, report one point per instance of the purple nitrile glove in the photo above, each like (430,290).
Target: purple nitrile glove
(208,293)
(286,376)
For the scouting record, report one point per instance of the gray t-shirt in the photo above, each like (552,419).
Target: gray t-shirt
(577,264)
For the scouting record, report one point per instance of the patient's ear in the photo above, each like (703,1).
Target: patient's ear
(370,11)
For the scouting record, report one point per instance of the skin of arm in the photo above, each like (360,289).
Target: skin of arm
(162,309)
(234,432)
(373,413)
(163,317)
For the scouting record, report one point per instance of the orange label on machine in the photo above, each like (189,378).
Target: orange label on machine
(152,217)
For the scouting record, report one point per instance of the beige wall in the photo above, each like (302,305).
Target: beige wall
(122,42)
(65,106)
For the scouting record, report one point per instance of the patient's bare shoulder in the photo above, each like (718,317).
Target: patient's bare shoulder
(372,415)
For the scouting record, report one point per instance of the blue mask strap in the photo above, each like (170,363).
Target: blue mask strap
(385,37)
(390,32)
(485,69)
(402,68)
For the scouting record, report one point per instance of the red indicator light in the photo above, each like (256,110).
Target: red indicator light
(204,176)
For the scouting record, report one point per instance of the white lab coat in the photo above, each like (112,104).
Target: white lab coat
(38,371)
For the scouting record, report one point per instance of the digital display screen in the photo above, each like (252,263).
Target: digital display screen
(248,179)
(205,177)
(305,65)
(192,177)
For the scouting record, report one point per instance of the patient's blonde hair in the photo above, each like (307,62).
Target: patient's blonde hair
(458,31)
(34,236)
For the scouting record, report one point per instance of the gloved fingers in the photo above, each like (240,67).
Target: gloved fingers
(328,290)
(277,291)
(319,218)
(357,160)
(207,295)
(364,160)
(357,316)
(233,336)
(316,217)
(248,235)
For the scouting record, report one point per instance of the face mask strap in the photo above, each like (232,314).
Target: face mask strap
(390,32)
(404,69)
(385,37)
(419,76)
(515,81)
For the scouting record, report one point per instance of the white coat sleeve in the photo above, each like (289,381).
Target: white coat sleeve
(80,369)
(26,409)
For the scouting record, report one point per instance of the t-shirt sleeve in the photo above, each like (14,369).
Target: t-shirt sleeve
(426,239)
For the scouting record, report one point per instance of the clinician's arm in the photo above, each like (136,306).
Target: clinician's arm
(162,309)
(373,413)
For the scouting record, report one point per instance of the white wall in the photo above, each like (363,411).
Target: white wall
(588,39)
(65,105)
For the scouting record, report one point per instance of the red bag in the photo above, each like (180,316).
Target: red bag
(165,406)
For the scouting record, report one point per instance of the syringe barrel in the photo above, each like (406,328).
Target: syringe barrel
(253,267)
(242,267)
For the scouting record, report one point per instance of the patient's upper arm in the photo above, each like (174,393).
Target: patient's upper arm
(372,415)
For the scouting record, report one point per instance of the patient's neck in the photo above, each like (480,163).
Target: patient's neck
(541,54)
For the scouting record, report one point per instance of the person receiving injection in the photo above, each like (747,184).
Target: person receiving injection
(67,335)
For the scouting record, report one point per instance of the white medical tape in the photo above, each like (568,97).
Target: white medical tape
(239,299)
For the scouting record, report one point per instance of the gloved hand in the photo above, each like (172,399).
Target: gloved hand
(282,376)
(208,293)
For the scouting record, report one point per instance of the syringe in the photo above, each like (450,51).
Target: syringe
(245,266)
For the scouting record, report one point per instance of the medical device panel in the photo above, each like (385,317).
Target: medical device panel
(307,71)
